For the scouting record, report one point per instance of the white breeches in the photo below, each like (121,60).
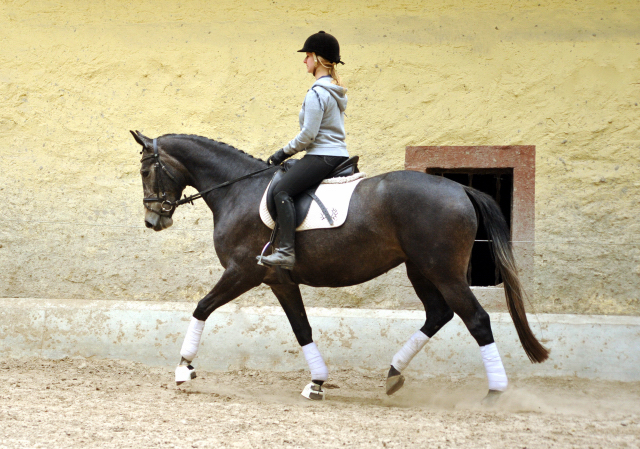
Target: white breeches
(404,356)
(493,365)
(192,339)
(315,361)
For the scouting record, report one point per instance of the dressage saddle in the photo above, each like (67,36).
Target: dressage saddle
(303,200)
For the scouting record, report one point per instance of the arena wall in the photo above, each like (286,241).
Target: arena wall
(77,76)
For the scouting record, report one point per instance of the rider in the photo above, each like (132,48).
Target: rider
(322,136)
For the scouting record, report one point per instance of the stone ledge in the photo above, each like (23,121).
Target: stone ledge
(587,346)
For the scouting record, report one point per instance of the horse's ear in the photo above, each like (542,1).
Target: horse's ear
(142,139)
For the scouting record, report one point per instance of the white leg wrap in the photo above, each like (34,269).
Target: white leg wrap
(493,365)
(192,339)
(404,356)
(315,361)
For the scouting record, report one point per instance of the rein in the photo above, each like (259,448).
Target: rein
(162,197)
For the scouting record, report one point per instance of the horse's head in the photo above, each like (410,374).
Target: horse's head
(160,182)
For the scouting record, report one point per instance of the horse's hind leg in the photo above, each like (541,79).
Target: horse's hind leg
(463,302)
(438,314)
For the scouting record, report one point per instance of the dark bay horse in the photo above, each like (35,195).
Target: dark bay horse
(426,222)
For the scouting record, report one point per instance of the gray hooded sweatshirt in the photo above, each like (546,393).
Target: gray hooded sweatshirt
(321,121)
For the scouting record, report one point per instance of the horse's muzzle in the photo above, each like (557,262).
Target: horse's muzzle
(155,221)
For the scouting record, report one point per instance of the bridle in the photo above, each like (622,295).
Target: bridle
(167,207)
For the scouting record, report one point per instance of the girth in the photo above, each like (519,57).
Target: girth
(303,200)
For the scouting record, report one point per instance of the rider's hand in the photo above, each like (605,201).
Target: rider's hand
(278,157)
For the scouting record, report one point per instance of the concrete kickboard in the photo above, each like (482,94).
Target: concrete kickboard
(605,347)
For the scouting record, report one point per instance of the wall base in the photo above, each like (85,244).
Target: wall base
(604,347)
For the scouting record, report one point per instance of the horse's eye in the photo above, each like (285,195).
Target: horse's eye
(144,173)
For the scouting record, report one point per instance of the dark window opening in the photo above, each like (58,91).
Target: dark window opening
(497,183)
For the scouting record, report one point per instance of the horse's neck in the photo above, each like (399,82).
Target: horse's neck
(209,166)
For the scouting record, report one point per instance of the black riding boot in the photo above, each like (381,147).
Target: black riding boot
(285,255)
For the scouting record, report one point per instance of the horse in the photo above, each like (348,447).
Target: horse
(428,223)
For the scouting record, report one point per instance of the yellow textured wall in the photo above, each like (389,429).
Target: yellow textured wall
(76,76)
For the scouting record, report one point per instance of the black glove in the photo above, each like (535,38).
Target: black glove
(278,157)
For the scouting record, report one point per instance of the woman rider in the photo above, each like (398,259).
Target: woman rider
(322,136)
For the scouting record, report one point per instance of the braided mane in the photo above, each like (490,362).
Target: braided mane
(210,142)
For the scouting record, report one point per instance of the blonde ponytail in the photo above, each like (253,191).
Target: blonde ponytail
(331,66)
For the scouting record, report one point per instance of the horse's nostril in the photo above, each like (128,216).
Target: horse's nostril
(147,224)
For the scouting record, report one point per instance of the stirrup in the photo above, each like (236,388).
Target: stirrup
(259,258)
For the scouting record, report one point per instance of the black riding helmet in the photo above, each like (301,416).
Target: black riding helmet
(323,44)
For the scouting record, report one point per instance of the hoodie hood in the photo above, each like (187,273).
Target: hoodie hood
(337,92)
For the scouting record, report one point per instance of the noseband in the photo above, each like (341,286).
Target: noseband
(167,206)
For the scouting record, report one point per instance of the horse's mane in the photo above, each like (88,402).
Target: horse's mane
(210,143)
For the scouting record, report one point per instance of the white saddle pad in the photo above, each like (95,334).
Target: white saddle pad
(335,194)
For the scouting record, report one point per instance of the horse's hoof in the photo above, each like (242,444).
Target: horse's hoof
(491,398)
(313,392)
(395,381)
(184,373)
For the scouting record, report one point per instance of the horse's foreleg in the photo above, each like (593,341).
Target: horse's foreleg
(184,371)
(231,285)
(291,301)
(438,314)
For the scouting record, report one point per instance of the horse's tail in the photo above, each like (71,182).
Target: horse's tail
(498,233)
